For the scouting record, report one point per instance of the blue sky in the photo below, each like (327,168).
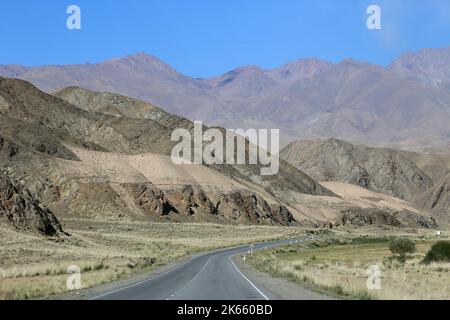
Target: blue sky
(208,37)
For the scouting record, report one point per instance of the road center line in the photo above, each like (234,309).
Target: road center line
(193,279)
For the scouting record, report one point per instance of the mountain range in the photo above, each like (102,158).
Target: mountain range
(405,104)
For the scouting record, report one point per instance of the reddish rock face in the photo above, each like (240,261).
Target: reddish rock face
(23,211)
(372,216)
(150,199)
(192,203)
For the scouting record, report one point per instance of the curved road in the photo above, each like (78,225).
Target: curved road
(210,276)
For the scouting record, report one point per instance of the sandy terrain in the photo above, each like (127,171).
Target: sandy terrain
(367,199)
(156,168)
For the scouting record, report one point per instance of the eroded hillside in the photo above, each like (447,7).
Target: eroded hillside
(103,155)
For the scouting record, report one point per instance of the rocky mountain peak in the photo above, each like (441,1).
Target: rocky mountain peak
(431,66)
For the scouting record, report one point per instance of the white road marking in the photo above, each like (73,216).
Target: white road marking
(193,279)
(256,288)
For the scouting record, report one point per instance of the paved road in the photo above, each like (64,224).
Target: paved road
(210,276)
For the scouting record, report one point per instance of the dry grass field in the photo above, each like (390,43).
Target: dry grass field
(339,267)
(33,266)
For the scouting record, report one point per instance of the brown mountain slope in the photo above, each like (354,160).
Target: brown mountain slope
(378,169)
(143,131)
(111,104)
(106,156)
(371,208)
(23,211)
(91,159)
(437,199)
(420,178)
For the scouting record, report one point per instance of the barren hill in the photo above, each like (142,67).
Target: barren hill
(113,161)
(83,153)
(415,177)
(379,169)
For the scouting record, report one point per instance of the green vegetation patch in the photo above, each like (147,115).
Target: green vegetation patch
(439,252)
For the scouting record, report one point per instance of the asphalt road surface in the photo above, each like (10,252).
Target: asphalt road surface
(210,276)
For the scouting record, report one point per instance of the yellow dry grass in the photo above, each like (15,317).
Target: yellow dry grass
(341,269)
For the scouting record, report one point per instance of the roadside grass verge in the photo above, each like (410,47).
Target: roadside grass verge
(338,267)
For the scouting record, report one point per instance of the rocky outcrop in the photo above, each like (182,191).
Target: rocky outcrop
(245,207)
(372,216)
(192,199)
(362,217)
(282,215)
(437,199)
(150,199)
(23,211)
(8,149)
(191,203)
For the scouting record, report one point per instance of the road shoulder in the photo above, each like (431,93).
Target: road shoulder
(276,288)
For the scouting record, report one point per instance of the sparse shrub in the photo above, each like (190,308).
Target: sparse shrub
(337,289)
(149,261)
(316,244)
(401,247)
(86,268)
(362,295)
(99,266)
(298,267)
(439,252)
